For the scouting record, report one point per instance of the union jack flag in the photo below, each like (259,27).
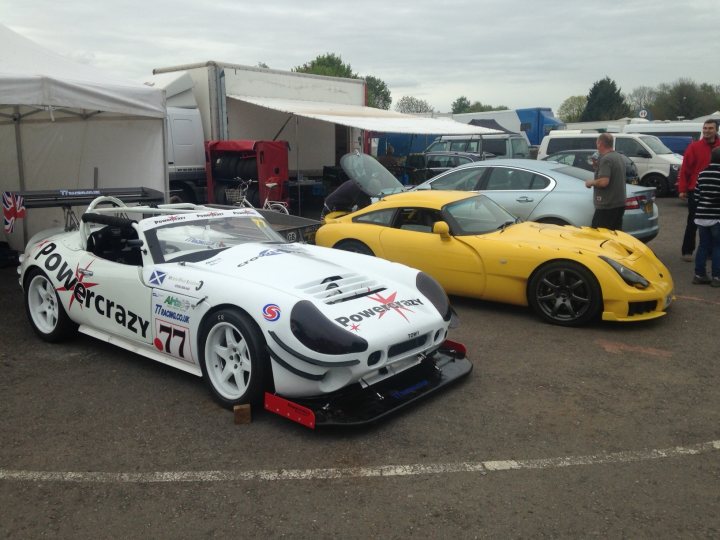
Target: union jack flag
(13,208)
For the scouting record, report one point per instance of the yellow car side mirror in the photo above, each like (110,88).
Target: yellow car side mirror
(441,228)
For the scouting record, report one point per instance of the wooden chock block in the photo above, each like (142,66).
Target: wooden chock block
(242,414)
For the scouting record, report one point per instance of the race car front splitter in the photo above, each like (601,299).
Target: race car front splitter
(356,405)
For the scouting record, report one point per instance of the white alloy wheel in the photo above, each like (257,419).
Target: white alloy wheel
(228,361)
(42,306)
(234,359)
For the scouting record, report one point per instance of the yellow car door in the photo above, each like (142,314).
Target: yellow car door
(453,263)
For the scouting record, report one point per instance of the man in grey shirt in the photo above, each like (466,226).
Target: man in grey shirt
(608,186)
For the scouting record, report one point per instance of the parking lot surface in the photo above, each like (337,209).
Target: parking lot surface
(610,430)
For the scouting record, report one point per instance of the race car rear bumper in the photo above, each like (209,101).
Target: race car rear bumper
(356,405)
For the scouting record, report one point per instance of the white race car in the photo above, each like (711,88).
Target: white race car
(323,336)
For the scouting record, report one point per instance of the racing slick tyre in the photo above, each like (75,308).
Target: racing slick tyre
(233,358)
(565,293)
(44,309)
(355,246)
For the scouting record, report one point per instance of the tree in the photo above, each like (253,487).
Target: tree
(572,108)
(604,102)
(327,64)
(460,105)
(378,93)
(331,65)
(685,99)
(263,65)
(477,106)
(463,105)
(642,97)
(410,104)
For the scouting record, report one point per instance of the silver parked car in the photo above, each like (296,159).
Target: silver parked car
(547,192)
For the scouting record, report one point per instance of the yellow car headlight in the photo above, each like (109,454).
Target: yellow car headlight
(630,277)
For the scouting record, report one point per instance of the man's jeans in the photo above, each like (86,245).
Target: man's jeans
(709,242)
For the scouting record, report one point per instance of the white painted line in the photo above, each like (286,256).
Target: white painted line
(483,467)
(698,299)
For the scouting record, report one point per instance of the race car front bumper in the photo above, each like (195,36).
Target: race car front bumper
(355,405)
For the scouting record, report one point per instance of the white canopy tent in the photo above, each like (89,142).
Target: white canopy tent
(309,117)
(65,125)
(366,118)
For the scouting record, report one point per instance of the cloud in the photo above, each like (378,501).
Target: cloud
(518,54)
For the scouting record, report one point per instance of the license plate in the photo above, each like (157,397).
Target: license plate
(648,208)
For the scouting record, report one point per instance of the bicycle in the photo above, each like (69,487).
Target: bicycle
(239,196)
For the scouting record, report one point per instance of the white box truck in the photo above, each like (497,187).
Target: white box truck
(243,102)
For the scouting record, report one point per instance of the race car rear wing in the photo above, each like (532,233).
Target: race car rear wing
(68,198)
(83,197)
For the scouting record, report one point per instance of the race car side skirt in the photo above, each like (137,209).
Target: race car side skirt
(355,405)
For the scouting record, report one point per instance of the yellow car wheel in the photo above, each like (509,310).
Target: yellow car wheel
(565,293)
(355,246)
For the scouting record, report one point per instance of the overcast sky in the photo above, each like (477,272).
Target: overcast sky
(518,53)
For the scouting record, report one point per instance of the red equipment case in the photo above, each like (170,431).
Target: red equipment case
(264,161)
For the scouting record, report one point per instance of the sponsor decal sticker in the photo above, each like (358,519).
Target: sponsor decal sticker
(399,394)
(85,297)
(78,280)
(173,339)
(202,242)
(387,305)
(245,212)
(157,277)
(177,303)
(161,311)
(264,253)
(271,312)
(76,192)
(169,219)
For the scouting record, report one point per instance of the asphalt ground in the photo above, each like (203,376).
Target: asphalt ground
(610,431)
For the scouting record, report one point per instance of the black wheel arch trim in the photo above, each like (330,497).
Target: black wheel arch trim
(313,361)
(295,371)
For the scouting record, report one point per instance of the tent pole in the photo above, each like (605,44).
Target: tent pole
(297,165)
(21,165)
(166,168)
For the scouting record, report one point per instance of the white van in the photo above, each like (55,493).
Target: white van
(657,165)
(677,136)
(667,129)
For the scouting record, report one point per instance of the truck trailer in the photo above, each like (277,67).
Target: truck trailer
(534,122)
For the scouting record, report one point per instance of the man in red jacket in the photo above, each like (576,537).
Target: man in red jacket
(696,158)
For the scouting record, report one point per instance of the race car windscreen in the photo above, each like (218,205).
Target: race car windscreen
(200,236)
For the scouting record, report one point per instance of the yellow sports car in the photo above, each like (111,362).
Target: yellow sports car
(473,247)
